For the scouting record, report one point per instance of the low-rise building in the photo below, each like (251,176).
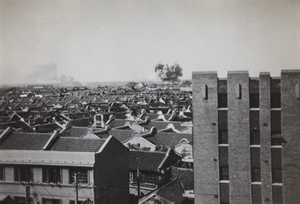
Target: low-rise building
(46,168)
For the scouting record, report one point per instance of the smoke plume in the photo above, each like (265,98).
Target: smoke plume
(166,73)
(48,73)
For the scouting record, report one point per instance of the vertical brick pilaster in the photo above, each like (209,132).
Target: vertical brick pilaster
(290,127)
(265,137)
(239,137)
(205,137)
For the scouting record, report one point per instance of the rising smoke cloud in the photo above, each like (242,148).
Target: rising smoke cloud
(48,73)
(166,73)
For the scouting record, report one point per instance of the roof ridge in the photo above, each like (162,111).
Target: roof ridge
(156,152)
(81,138)
(32,133)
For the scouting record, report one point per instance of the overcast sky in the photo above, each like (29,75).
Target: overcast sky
(99,40)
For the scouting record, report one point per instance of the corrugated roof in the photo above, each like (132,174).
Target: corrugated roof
(25,141)
(77,144)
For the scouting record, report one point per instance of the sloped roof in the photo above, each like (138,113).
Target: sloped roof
(25,141)
(121,135)
(77,144)
(146,161)
(174,192)
(119,122)
(159,125)
(48,127)
(78,131)
(171,139)
(81,122)
(186,177)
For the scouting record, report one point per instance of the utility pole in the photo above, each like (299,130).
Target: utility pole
(138,182)
(76,187)
(27,199)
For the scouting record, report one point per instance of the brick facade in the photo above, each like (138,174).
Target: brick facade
(263,142)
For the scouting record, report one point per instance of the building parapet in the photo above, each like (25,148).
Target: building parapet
(84,159)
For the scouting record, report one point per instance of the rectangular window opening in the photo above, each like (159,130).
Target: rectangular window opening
(23,173)
(276,165)
(222,93)
(276,138)
(1,173)
(51,175)
(224,193)
(254,93)
(223,163)
(223,127)
(275,93)
(254,128)
(82,175)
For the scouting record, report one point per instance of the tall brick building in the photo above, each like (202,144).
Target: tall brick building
(246,138)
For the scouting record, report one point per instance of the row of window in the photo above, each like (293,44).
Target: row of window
(255,164)
(145,179)
(253,93)
(49,174)
(276,138)
(256,194)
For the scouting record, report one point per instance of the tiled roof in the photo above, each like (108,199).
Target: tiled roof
(25,141)
(77,131)
(171,139)
(121,135)
(49,127)
(15,124)
(119,122)
(145,161)
(186,177)
(173,192)
(153,140)
(162,125)
(81,122)
(77,144)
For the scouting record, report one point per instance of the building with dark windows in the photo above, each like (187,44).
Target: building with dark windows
(50,168)
(246,138)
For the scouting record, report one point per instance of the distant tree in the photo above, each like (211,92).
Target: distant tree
(166,73)
(131,84)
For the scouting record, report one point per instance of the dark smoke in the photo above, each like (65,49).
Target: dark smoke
(166,73)
(48,73)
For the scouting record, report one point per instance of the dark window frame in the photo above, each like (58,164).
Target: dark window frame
(224,173)
(83,175)
(2,176)
(22,200)
(23,173)
(223,136)
(276,175)
(52,200)
(222,100)
(256,174)
(224,193)
(51,174)
(254,100)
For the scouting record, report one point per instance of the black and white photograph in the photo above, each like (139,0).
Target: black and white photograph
(149,102)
